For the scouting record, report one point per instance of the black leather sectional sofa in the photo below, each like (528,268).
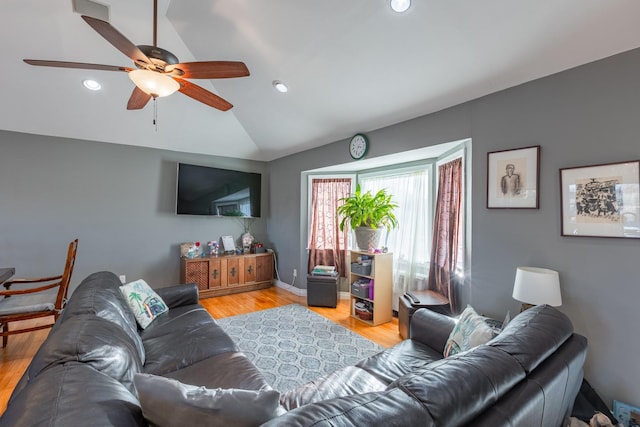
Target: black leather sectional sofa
(83,373)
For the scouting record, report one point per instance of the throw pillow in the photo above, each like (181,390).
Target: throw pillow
(470,331)
(145,303)
(166,402)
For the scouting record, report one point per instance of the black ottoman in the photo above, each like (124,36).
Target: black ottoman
(322,291)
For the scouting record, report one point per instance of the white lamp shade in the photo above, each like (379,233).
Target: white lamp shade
(537,286)
(153,83)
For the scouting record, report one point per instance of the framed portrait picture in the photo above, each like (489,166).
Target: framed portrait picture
(513,178)
(601,200)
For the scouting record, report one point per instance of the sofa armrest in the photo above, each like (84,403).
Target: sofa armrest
(179,295)
(431,328)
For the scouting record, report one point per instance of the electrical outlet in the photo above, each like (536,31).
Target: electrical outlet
(295,273)
(123,279)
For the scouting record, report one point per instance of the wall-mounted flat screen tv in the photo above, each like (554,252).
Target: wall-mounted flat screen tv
(205,190)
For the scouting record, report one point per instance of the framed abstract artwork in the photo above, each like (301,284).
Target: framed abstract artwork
(513,178)
(601,200)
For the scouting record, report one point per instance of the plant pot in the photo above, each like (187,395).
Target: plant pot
(367,237)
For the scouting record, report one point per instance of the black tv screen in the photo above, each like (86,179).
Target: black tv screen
(205,190)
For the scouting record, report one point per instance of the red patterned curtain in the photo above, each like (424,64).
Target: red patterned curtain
(327,244)
(447,231)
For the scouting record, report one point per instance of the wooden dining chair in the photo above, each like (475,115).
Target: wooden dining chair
(34,302)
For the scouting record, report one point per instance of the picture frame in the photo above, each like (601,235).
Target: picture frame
(601,200)
(513,178)
(228,244)
(627,415)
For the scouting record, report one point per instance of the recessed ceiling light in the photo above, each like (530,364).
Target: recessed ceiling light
(91,84)
(279,86)
(400,5)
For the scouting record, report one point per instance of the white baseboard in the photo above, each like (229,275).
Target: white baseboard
(302,292)
(287,287)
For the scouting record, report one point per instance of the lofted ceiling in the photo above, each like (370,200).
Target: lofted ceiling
(351,66)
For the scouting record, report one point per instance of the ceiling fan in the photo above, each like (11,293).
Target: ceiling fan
(158,72)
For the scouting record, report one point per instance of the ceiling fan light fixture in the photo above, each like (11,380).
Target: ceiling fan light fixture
(91,84)
(154,83)
(400,5)
(280,87)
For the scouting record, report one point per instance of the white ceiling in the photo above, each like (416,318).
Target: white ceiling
(352,66)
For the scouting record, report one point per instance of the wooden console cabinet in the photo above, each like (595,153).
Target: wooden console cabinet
(228,274)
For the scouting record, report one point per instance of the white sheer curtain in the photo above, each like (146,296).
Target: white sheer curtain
(411,240)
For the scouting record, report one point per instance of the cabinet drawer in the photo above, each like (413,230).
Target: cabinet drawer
(249,269)
(197,272)
(264,268)
(217,273)
(233,271)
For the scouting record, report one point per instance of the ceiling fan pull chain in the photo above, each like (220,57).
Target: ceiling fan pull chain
(155,112)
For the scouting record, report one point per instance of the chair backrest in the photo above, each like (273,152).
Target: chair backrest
(66,276)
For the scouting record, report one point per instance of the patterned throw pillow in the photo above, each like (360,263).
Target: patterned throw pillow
(470,331)
(143,301)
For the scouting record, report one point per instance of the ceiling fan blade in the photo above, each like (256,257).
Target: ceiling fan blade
(83,65)
(138,99)
(209,69)
(201,94)
(119,41)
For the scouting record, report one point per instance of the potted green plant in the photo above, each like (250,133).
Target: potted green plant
(367,215)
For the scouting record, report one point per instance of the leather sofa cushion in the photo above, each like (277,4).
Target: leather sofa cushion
(200,406)
(178,295)
(347,381)
(384,408)
(456,389)
(431,328)
(511,414)
(394,362)
(181,337)
(371,374)
(548,392)
(226,370)
(73,394)
(99,294)
(93,341)
(533,335)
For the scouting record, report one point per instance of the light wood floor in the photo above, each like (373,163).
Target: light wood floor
(15,358)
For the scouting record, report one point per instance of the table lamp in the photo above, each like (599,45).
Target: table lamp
(535,286)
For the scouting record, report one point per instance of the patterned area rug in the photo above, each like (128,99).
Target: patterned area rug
(292,345)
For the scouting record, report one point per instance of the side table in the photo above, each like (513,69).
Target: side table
(411,301)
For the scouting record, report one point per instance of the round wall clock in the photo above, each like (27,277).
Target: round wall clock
(358,146)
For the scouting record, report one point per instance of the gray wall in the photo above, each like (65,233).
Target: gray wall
(588,115)
(118,200)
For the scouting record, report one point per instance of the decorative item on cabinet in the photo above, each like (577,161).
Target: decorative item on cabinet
(213,247)
(190,249)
